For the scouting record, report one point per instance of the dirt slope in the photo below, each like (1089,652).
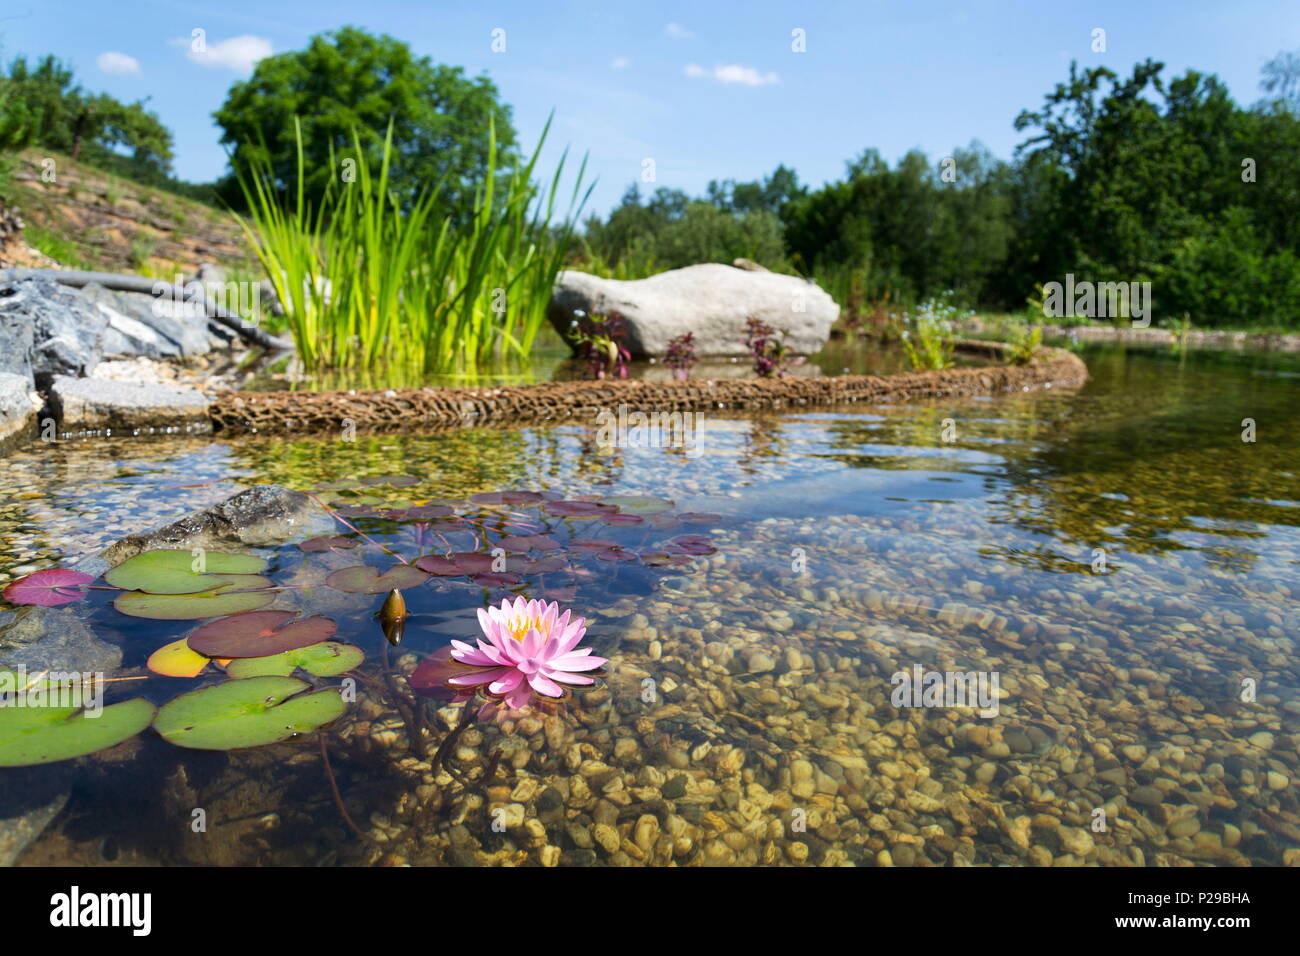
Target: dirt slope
(88,219)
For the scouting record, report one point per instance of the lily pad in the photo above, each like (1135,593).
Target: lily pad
(177,660)
(438,565)
(616,554)
(494,579)
(36,735)
(527,542)
(246,713)
(622,520)
(592,544)
(544,565)
(363,579)
(692,544)
(638,504)
(172,571)
(506,498)
(48,588)
(314,545)
(259,634)
(326,659)
(191,607)
(579,509)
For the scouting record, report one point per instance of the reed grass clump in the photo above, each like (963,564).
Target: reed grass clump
(367,280)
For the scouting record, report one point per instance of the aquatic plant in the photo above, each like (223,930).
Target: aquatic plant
(265,674)
(680,355)
(930,344)
(531,649)
(367,281)
(600,343)
(1179,329)
(767,347)
(1024,340)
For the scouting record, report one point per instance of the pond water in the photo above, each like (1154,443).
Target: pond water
(552,360)
(1116,557)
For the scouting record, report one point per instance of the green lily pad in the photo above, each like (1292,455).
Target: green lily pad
(246,713)
(191,607)
(171,571)
(326,659)
(638,504)
(36,735)
(363,579)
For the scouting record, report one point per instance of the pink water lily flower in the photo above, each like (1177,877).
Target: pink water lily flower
(530,648)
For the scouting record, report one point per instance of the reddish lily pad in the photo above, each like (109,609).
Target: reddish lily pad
(432,675)
(363,579)
(622,520)
(592,544)
(443,514)
(579,509)
(616,554)
(48,588)
(529,542)
(506,498)
(544,565)
(497,579)
(440,566)
(259,634)
(693,544)
(314,545)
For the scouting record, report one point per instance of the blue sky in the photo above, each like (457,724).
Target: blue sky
(708,90)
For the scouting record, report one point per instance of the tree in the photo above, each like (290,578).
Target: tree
(351,80)
(58,114)
(770,194)
(1282,80)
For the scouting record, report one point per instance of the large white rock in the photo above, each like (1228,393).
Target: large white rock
(711,300)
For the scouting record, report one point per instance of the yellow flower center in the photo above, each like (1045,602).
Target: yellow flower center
(520,626)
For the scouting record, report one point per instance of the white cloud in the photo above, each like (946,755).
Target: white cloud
(237,53)
(733,73)
(117,64)
(678,32)
(620,63)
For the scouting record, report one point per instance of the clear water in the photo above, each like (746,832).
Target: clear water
(1117,555)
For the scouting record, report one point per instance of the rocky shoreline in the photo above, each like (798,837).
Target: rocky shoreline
(1195,338)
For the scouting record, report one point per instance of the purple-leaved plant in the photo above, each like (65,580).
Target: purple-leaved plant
(768,348)
(600,344)
(681,355)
